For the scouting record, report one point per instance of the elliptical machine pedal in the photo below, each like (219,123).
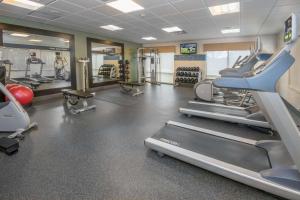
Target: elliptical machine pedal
(9,146)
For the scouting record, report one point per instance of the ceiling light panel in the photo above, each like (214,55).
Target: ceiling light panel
(125,6)
(20,35)
(111,27)
(232,30)
(27,4)
(149,38)
(172,29)
(225,9)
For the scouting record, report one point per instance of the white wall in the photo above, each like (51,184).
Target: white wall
(269,43)
(289,84)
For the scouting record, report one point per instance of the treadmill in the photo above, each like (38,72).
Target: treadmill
(251,115)
(23,80)
(37,77)
(269,165)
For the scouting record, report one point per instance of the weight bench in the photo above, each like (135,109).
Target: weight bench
(73,97)
(133,88)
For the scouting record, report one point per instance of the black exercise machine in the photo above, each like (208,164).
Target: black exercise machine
(134,88)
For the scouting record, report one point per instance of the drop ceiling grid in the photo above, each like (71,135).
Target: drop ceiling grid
(256,16)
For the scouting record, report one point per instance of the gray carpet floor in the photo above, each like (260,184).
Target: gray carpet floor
(101,155)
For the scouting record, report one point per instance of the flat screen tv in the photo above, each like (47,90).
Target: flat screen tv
(188,48)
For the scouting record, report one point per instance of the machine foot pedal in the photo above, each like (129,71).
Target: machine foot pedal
(8,146)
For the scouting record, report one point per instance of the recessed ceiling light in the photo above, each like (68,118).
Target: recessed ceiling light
(172,29)
(31,5)
(225,9)
(35,40)
(230,30)
(149,38)
(19,35)
(111,27)
(125,6)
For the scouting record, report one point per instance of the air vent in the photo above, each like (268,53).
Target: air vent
(50,15)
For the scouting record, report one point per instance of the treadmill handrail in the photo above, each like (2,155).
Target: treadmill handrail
(264,81)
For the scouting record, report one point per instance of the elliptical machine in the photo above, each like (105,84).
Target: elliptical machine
(59,67)
(13,118)
(204,90)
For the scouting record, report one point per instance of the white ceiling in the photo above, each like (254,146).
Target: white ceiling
(256,17)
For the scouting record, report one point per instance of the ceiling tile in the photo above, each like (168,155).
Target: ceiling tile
(188,5)
(227,21)
(287,2)
(176,20)
(197,14)
(92,15)
(106,10)
(48,13)
(151,3)
(35,19)
(219,2)
(45,2)
(13,9)
(164,10)
(85,3)
(158,22)
(66,6)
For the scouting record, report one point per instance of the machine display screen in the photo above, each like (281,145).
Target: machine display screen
(288,31)
(188,48)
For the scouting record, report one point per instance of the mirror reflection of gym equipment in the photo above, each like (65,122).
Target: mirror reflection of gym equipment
(37,61)
(105,60)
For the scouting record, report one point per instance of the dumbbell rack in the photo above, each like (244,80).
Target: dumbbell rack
(106,70)
(124,71)
(187,76)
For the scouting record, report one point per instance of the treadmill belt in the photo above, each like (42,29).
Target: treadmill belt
(214,109)
(240,154)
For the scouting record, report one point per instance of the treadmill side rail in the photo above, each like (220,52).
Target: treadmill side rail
(217,105)
(224,117)
(214,133)
(236,173)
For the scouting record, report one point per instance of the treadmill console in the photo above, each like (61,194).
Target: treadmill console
(290,29)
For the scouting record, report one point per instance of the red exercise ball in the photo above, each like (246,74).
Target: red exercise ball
(23,94)
(9,86)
